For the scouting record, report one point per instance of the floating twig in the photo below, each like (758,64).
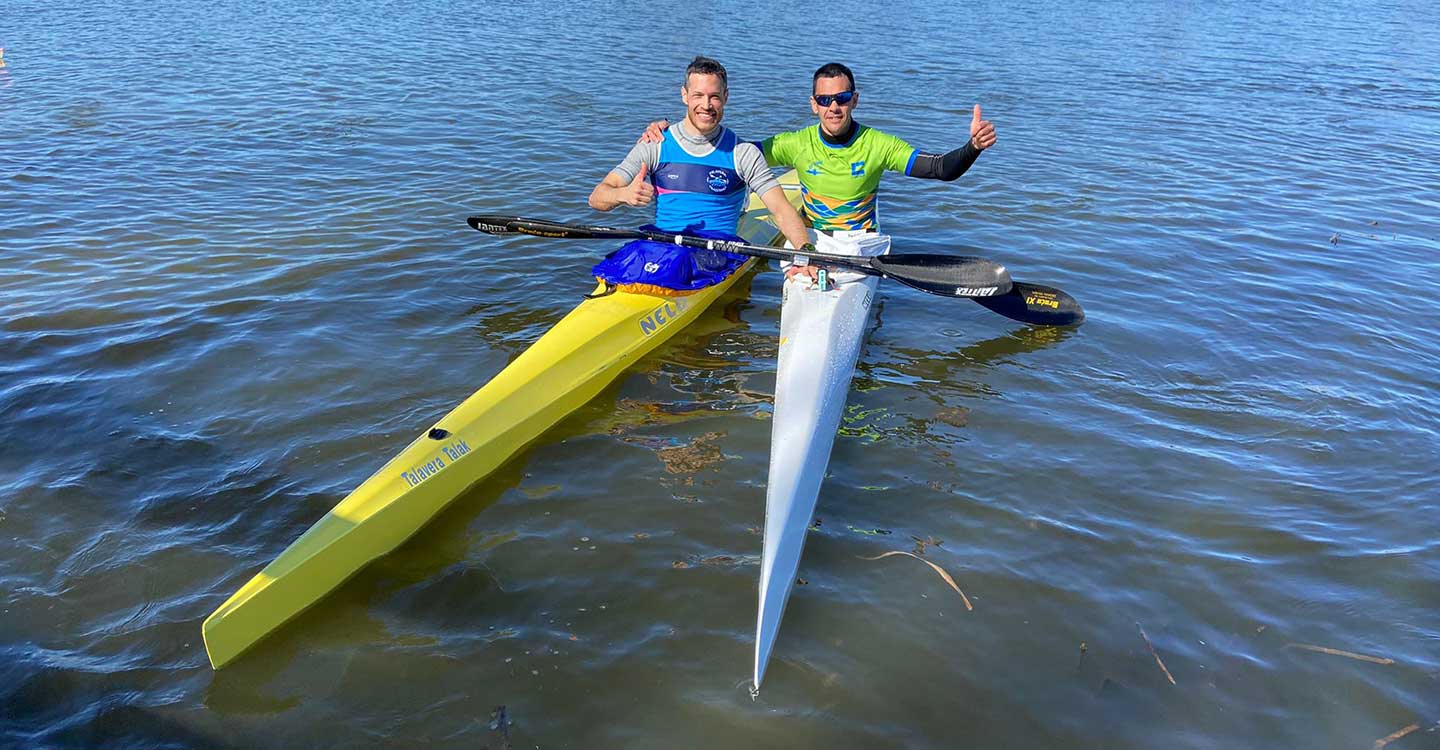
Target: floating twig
(1151,646)
(1395,735)
(1338,652)
(921,544)
(968,606)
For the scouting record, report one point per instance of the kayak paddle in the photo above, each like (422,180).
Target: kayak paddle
(936,273)
(984,281)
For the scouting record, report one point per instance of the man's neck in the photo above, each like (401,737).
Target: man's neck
(841,139)
(694,132)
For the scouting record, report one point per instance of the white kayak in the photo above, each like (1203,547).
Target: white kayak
(821,332)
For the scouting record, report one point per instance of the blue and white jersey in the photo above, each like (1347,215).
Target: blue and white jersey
(704,192)
(699,177)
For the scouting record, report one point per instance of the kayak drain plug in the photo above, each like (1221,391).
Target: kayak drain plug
(438,434)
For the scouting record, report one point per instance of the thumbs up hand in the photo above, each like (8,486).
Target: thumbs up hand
(982,132)
(638,192)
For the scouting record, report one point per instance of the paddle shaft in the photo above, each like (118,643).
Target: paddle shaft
(540,228)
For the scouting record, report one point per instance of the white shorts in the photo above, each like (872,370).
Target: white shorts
(857,243)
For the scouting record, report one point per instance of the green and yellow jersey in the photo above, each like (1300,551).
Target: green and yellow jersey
(839,183)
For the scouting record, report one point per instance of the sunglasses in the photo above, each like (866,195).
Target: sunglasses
(842,98)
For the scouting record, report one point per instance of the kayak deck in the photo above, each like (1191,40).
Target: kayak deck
(565,368)
(821,333)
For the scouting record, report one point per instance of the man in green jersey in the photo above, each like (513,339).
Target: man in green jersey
(840,162)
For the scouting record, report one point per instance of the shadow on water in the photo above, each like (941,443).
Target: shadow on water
(504,326)
(942,366)
(377,607)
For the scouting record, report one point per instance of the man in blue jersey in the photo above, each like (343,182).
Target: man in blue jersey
(698,174)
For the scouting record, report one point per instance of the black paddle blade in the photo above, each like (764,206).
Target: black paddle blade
(945,275)
(1036,304)
(503,225)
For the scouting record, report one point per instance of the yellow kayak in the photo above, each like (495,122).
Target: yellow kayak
(565,368)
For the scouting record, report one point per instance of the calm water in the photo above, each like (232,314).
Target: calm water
(236,280)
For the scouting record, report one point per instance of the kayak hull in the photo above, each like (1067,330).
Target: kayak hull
(567,367)
(821,334)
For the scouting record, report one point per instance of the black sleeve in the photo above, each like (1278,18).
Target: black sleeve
(947,167)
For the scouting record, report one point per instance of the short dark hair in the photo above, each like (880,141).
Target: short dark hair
(707,67)
(832,70)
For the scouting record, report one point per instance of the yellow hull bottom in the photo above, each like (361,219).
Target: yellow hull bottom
(559,373)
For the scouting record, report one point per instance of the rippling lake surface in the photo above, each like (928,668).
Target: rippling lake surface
(236,279)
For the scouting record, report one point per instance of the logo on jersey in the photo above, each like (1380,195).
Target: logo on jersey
(857,169)
(718,180)
(814,168)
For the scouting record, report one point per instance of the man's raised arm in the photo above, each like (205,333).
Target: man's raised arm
(950,166)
